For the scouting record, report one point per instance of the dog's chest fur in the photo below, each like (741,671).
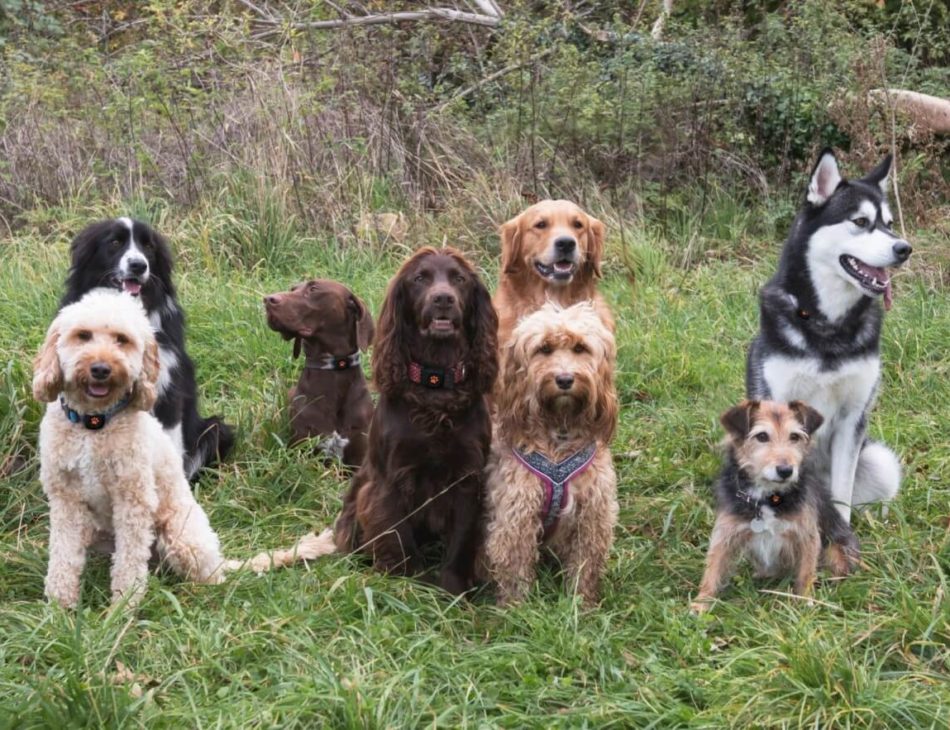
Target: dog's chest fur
(765,548)
(845,389)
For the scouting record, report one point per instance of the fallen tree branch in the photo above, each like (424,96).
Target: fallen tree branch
(446,14)
(928,113)
(491,77)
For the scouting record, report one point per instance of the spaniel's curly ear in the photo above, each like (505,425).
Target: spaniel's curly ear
(390,346)
(595,246)
(145,392)
(511,246)
(365,329)
(47,373)
(481,324)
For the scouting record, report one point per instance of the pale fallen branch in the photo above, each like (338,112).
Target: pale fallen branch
(928,113)
(429,14)
(660,23)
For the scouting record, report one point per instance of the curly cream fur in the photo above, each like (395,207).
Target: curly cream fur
(125,480)
(534,415)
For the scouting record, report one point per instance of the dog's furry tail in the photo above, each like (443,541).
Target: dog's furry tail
(214,441)
(310,547)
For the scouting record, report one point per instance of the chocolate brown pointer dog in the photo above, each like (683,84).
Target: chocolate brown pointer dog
(330,401)
(434,361)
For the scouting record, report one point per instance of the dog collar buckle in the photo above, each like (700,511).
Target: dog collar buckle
(337,363)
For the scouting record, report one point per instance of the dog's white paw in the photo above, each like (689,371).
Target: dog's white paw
(334,445)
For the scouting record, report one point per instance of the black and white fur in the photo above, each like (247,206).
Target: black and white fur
(820,326)
(130,255)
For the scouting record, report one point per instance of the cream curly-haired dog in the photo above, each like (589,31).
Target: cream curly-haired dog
(107,466)
(551,479)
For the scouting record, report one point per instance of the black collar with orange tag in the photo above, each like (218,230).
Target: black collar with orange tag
(93,421)
(436,377)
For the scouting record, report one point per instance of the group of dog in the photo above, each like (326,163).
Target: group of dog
(489,443)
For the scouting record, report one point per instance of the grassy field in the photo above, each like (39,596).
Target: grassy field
(336,645)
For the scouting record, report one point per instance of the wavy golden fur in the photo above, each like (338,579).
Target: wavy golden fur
(555,396)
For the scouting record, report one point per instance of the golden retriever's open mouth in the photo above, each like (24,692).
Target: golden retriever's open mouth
(558,271)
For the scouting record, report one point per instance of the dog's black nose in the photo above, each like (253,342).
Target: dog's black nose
(784,471)
(565,245)
(564,381)
(902,250)
(444,299)
(99,370)
(138,266)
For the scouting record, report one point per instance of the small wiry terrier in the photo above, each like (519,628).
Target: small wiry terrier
(551,480)
(108,468)
(770,506)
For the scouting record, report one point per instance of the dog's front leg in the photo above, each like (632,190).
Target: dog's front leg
(846,442)
(724,547)
(458,573)
(513,538)
(590,544)
(71,531)
(133,516)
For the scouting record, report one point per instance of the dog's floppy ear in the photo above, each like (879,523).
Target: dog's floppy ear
(511,245)
(481,324)
(595,250)
(47,374)
(807,416)
(737,420)
(825,178)
(513,406)
(145,392)
(391,342)
(880,175)
(365,329)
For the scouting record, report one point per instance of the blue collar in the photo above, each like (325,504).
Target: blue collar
(93,421)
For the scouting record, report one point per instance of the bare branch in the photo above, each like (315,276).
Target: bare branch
(447,14)
(489,7)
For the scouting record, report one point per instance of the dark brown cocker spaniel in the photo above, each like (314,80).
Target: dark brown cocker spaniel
(434,361)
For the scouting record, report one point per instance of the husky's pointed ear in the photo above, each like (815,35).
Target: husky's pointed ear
(825,178)
(880,175)
(737,420)
(807,416)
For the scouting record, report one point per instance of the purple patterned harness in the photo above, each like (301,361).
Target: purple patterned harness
(555,478)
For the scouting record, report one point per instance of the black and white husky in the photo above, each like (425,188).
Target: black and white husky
(820,326)
(132,256)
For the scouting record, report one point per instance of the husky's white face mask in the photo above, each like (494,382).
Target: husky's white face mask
(850,251)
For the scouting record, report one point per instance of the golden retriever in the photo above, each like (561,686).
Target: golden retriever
(550,252)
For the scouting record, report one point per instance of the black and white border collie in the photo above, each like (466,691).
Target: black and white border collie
(130,255)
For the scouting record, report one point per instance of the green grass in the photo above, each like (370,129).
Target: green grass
(337,645)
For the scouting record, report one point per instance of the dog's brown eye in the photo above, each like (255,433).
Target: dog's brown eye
(580,348)
(762,437)
(458,279)
(115,243)
(541,225)
(795,437)
(546,349)
(861,222)
(146,245)
(122,339)
(84,335)
(578,225)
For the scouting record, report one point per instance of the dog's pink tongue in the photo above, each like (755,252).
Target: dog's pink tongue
(132,287)
(888,296)
(98,390)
